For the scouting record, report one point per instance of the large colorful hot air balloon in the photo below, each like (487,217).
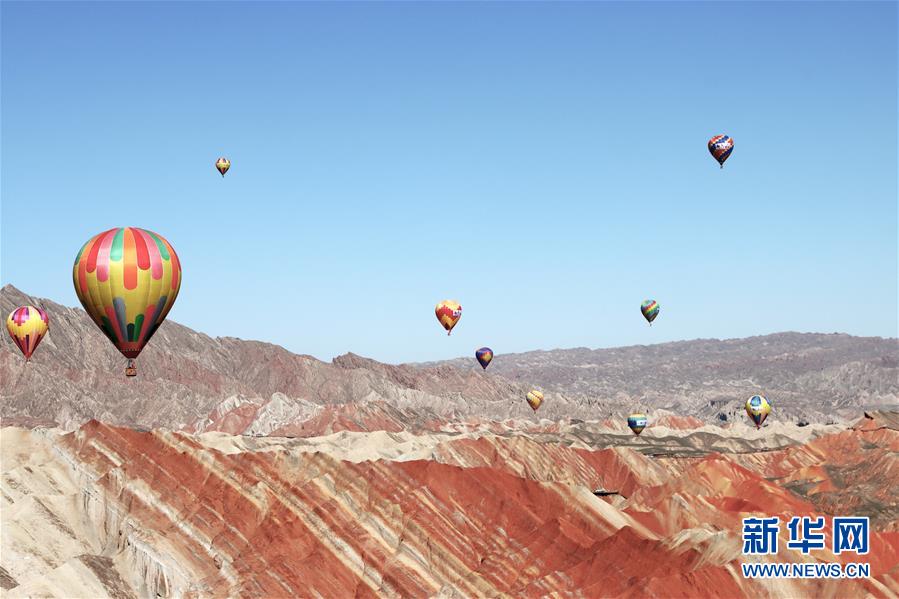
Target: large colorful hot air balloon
(720,147)
(223,164)
(758,408)
(127,280)
(636,422)
(650,309)
(484,356)
(535,398)
(448,313)
(27,325)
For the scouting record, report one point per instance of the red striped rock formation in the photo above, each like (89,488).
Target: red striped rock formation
(679,422)
(855,470)
(115,512)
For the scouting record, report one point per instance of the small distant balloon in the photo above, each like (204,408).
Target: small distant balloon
(534,399)
(650,309)
(636,422)
(720,147)
(222,164)
(758,408)
(484,356)
(448,314)
(27,325)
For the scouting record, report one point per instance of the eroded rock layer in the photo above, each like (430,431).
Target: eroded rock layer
(110,511)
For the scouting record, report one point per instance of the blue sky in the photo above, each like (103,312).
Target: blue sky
(544,164)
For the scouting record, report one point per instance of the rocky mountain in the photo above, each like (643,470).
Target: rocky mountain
(107,511)
(194,382)
(185,377)
(805,376)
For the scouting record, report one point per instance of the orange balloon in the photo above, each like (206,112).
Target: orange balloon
(535,398)
(448,314)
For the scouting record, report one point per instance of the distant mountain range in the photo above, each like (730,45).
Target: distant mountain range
(805,375)
(188,380)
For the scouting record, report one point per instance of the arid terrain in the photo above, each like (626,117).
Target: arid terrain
(236,468)
(109,511)
(194,382)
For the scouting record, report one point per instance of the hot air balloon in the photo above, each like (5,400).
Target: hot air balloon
(636,422)
(721,147)
(27,325)
(535,398)
(650,309)
(448,313)
(127,280)
(758,408)
(223,164)
(484,356)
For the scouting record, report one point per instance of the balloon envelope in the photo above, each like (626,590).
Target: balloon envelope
(127,280)
(720,147)
(27,325)
(636,422)
(448,314)
(758,408)
(222,165)
(649,309)
(534,399)
(484,356)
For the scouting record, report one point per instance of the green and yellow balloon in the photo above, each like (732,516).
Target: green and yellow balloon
(649,309)
(758,408)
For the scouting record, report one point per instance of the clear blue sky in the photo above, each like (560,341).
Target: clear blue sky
(543,164)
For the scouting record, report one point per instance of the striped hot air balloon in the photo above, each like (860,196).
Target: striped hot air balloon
(27,325)
(127,280)
(720,147)
(534,399)
(649,309)
(636,422)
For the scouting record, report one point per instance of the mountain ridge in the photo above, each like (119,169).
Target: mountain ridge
(10,289)
(187,378)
